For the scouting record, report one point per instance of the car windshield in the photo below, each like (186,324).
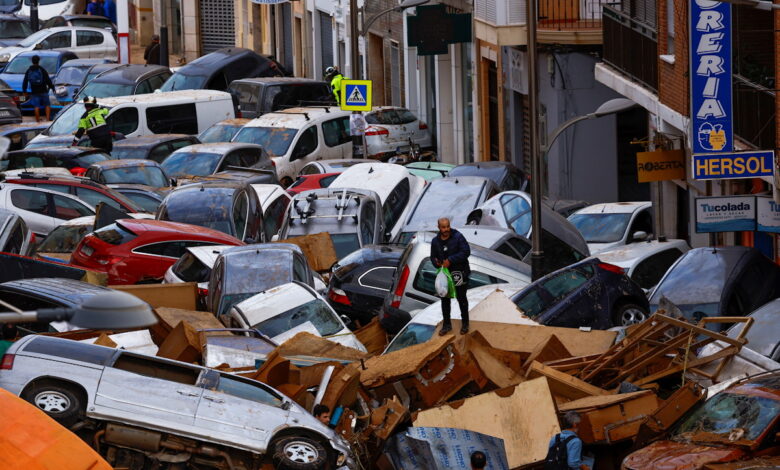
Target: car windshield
(14,29)
(149,175)
(35,37)
(493,173)
(20,64)
(316,312)
(414,333)
(275,140)
(129,152)
(728,415)
(694,284)
(88,159)
(71,75)
(253,273)
(67,120)
(219,133)
(601,228)
(180,81)
(106,90)
(444,197)
(64,239)
(191,210)
(181,164)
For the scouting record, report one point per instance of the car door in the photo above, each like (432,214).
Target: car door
(89,44)
(33,207)
(240,410)
(574,301)
(304,151)
(149,390)
(338,142)
(60,41)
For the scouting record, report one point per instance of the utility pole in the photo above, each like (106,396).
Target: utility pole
(123,31)
(537,254)
(164,33)
(353,42)
(34,15)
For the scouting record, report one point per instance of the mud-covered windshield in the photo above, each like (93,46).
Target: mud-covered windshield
(728,417)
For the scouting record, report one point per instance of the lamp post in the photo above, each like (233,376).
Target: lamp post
(355,34)
(112,310)
(612,106)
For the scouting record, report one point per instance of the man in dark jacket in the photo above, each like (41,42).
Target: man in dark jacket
(152,52)
(450,249)
(40,84)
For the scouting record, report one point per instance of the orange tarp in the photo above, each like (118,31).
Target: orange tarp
(30,440)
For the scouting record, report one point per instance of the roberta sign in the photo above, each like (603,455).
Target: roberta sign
(711,114)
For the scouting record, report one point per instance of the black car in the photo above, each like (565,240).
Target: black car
(360,282)
(13,28)
(216,70)
(9,111)
(589,293)
(729,281)
(257,96)
(75,159)
(146,197)
(22,133)
(96,70)
(155,147)
(507,176)
(229,207)
(127,79)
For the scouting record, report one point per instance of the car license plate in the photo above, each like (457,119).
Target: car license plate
(4,113)
(87,250)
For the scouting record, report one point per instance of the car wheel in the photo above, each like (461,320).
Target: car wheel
(299,453)
(286,182)
(61,402)
(628,314)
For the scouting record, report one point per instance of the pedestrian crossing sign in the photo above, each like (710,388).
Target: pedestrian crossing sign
(356,95)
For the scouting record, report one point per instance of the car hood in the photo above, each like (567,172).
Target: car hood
(8,41)
(596,248)
(14,80)
(670,455)
(13,49)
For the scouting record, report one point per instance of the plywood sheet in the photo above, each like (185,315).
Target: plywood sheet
(307,344)
(600,401)
(180,295)
(386,368)
(523,416)
(318,249)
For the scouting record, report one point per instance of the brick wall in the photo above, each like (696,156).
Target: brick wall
(673,80)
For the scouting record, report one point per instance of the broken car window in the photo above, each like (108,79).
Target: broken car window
(730,416)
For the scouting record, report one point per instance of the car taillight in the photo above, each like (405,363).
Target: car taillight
(16,99)
(203,292)
(377,131)
(32,238)
(399,290)
(423,126)
(612,268)
(8,362)
(78,171)
(338,296)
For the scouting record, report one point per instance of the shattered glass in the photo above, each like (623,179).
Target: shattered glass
(728,416)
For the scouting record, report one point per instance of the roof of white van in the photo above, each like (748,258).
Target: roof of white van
(295,118)
(166,96)
(381,178)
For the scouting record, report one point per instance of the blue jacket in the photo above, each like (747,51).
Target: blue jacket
(573,449)
(109,8)
(456,249)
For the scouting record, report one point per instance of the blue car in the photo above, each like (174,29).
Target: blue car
(69,79)
(51,61)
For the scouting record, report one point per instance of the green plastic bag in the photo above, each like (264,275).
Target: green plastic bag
(443,283)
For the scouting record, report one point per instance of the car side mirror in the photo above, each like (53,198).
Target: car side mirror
(639,235)
(173,182)
(345,319)
(286,405)
(38,46)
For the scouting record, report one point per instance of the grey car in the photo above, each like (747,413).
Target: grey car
(15,237)
(147,405)
(352,217)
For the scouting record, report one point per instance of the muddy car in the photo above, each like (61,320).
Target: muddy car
(738,423)
(160,410)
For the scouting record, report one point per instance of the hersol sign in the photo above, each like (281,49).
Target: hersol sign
(711,113)
(733,165)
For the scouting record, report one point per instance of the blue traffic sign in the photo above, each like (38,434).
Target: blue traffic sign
(356,95)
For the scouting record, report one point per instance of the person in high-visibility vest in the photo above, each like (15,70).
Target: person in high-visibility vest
(93,122)
(335,77)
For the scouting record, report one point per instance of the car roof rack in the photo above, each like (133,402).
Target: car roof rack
(306,115)
(342,204)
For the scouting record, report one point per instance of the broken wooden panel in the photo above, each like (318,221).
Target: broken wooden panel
(182,295)
(523,416)
(551,349)
(387,368)
(444,374)
(669,412)
(170,317)
(387,417)
(372,336)
(564,386)
(318,249)
(182,344)
(612,418)
(499,367)
(307,344)
(342,390)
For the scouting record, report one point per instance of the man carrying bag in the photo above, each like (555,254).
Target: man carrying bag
(450,250)
(565,448)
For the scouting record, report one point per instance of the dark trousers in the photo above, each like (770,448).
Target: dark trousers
(104,143)
(460,296)
(357,146)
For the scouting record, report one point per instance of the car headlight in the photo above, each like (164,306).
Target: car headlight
(341,459)
(5,57)
(61,90)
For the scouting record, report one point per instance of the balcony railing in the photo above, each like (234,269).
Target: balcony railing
(556,15)
(754,113)
(631,46)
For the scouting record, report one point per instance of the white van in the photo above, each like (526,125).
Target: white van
(297,136)
(173,112)
(51,8)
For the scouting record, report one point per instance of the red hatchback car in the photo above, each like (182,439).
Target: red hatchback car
(307,182)
(132,251)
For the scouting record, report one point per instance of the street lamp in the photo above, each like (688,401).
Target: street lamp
(612,106)
(355,34)
(113,310)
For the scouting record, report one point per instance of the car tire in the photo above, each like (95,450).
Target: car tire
(299,453)
(626,314)
(60,401)
(286,182)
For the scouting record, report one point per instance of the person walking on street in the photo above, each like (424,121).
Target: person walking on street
(335,77)
(478,460)
(152,52)
(357,129)
(449,249)
(93,122)
(565,448)
(95,8)
(40,84)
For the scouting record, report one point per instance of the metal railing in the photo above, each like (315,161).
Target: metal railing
(754,113)
(631,47)
(561,15)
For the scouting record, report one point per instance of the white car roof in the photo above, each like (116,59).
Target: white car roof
(484,235)
(381,178)
(208,254)
(629,255)
(267,193)
(296,118)
(615,207)
(171,97)
(272,302)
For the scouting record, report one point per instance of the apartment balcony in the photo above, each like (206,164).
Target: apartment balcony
(631,47)
(503,22)
(754,113)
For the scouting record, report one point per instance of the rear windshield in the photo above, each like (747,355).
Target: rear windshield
(275,140)
(106,90)
(88,159)
(115,234)
(179,81)
(390,117)
(147,175)
(192,210)
(445,197)
(71,75)
(252,273)
(190,269)
(66,121)
(219,133)
(63,239)
(181,164)
(414,333)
